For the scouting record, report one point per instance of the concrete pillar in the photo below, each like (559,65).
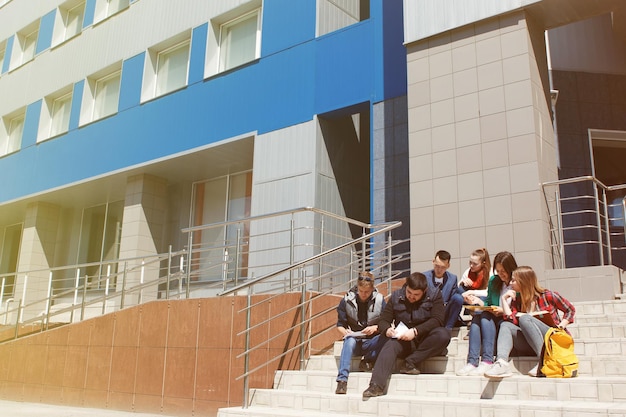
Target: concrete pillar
(142,233)
(481,142)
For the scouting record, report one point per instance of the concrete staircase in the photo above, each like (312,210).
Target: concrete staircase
(599,390)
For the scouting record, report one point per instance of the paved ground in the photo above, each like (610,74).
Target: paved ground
(19,409)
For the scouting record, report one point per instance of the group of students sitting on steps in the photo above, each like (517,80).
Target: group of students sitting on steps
(510,310)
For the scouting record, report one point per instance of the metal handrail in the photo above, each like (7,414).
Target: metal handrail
(305,282)
(580,206)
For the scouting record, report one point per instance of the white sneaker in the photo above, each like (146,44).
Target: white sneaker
(464,371)
(480,369)
(500,369)
(533,372)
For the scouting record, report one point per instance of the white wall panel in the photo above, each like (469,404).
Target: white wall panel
(425,18)
(122,36)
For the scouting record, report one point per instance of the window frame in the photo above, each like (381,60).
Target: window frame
(103,9)
(49,114)
(93,84)
(222,58)
(11,144)
(174,48)
(64,11)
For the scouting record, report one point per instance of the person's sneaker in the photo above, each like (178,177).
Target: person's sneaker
(464,371)
(409,369)
(500,369)
(365,366)
(533,372)
(342,387)
(480,369)
(374,390)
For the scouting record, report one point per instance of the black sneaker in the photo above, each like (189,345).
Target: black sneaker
(342,387)
(365,366)
(374,390)
(409,369)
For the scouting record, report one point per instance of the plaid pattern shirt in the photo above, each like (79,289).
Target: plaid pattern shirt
(549,301)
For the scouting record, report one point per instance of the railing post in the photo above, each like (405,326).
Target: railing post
(224,269)
(390,264)
(246,358)
(606,228)
(76,282)
(123,296)
(598,222)
(169,273)
(237,255)
(82,304)
(180,277)
(302,316)
(291,249)
(559,223)
(106,290)
(48,304)
(23,301)
(189,255)
(321,261)
(141,278)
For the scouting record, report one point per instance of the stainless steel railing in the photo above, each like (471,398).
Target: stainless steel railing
(587,223)
(380,256)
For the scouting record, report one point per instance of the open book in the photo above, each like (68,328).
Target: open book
(480,308)
(542,315)
(356,335)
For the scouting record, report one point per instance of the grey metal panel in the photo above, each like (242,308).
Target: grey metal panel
(425,18)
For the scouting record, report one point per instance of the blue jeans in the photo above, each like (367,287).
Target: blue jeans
(482,333)
(454,307)
(368,348)
(527,338)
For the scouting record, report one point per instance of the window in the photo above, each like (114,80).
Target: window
(69,21)
(55,114)
(166,66)
(239,40)
(101,94)
(172,68)
(107,8)
(107,96)
(25,45)
(333,15)
(14,128)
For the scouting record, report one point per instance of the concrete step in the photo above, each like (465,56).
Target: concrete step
(307,403)
(521,387)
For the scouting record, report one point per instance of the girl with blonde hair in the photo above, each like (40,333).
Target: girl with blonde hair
(522,329)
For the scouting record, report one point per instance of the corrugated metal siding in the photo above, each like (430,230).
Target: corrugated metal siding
(425,18)
(336,14)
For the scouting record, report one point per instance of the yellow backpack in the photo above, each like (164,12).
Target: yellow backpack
(559,359)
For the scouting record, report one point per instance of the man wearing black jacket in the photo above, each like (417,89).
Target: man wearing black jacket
(419,308)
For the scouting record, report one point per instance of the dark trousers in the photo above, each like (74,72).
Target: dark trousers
(414,353)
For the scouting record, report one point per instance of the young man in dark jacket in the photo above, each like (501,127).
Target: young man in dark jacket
(357,315)
(421,310)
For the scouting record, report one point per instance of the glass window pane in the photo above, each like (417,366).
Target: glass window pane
(16,128)
(74,21)
(30,43)
(172,69)
(107,96)
(239,42)
(60,115)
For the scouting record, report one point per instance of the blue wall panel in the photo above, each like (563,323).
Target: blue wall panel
(90,11)
(287,23)
(7,55)
(46,25)
(339,70)
(31,124)
(130,89)
(77,99)
(198,53)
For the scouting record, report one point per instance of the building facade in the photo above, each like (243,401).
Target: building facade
(124,122)
(504,96)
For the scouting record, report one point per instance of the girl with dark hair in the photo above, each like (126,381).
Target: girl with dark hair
(483,329)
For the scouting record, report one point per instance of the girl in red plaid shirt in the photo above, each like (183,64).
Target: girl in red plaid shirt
(523,331)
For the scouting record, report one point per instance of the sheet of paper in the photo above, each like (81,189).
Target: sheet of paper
(400,330)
